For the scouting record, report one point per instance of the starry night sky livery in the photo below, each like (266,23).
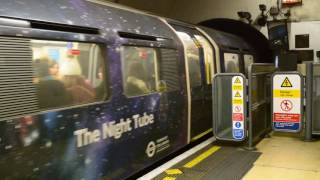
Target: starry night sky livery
(42,146)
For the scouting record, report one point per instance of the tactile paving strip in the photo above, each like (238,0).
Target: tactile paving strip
(228,163)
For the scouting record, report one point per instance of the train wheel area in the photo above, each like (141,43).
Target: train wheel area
(273,159)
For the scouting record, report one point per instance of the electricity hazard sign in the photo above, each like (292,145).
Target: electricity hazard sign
(287,102)
(238,116)
(286,83)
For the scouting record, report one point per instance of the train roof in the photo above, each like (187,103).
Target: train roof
(107,18)
(227,40)
(223,39)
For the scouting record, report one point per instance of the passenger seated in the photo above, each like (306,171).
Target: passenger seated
(51,92)
(135,84)
(81,91)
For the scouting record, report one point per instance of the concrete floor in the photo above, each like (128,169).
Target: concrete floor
(286,157)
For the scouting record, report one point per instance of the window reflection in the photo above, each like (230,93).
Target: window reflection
(67,73)
(192,52)
(208,57)
(231,63)
(139,70)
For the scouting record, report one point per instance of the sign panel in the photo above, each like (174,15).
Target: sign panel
(238,101)
(287,102)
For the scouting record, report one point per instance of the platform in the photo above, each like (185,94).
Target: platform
(282,156)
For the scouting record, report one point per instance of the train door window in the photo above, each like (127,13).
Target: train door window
(68,73)
(192,55)
(208,57)
(248,60)
(139,70)
(231,63)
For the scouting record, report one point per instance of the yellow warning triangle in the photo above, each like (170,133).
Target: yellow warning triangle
(237,81)
(237,94)
(286,83)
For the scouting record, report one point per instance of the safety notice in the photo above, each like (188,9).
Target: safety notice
(238,107)
(287,102)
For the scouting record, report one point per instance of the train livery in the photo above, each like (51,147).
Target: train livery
(89,90)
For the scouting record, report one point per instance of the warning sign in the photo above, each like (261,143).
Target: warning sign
(237,81)
(237,94)
(286,83)
(286,105)
(287,102)
(238,108)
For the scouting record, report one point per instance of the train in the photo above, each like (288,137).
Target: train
(94,90)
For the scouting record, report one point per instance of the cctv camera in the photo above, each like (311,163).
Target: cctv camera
(262,7)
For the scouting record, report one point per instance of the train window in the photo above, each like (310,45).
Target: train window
(139,70)
(68,73)
(192,55)
(231,63)
(248,60)
(208,57)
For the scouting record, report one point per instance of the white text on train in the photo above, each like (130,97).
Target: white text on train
(112,129)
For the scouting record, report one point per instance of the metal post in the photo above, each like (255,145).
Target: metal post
(309,89)
(250,130)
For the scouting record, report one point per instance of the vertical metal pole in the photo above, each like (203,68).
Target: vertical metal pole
(250,113)
(309,89)
(250,133)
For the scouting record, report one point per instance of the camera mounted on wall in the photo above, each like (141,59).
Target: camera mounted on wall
(245,16)
(262,18)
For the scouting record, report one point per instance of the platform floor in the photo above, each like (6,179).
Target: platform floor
(286,156)
(281,157)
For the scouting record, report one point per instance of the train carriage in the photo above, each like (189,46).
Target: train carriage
(93,90)
(87,91)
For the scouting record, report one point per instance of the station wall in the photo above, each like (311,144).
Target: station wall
(197,11)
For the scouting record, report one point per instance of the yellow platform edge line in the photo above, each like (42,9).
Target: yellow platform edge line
(169,178)
(201,135)
(173,171)
(201,157)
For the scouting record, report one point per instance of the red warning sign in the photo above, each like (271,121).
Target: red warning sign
(286,105)
(237,117)
(281,117)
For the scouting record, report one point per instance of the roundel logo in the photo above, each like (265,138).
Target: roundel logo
(151,149)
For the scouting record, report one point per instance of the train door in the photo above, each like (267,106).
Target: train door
(209,70)
(195,81)
(248,59)
(231,62)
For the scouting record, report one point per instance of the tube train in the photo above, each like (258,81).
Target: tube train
(90,90)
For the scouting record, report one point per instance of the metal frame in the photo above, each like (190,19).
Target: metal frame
(251,139)
(301,99)
(214,105)
(315,74)
(309,101)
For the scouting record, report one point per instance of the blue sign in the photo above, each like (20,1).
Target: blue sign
(238,124)
(286,126)
(238,133)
